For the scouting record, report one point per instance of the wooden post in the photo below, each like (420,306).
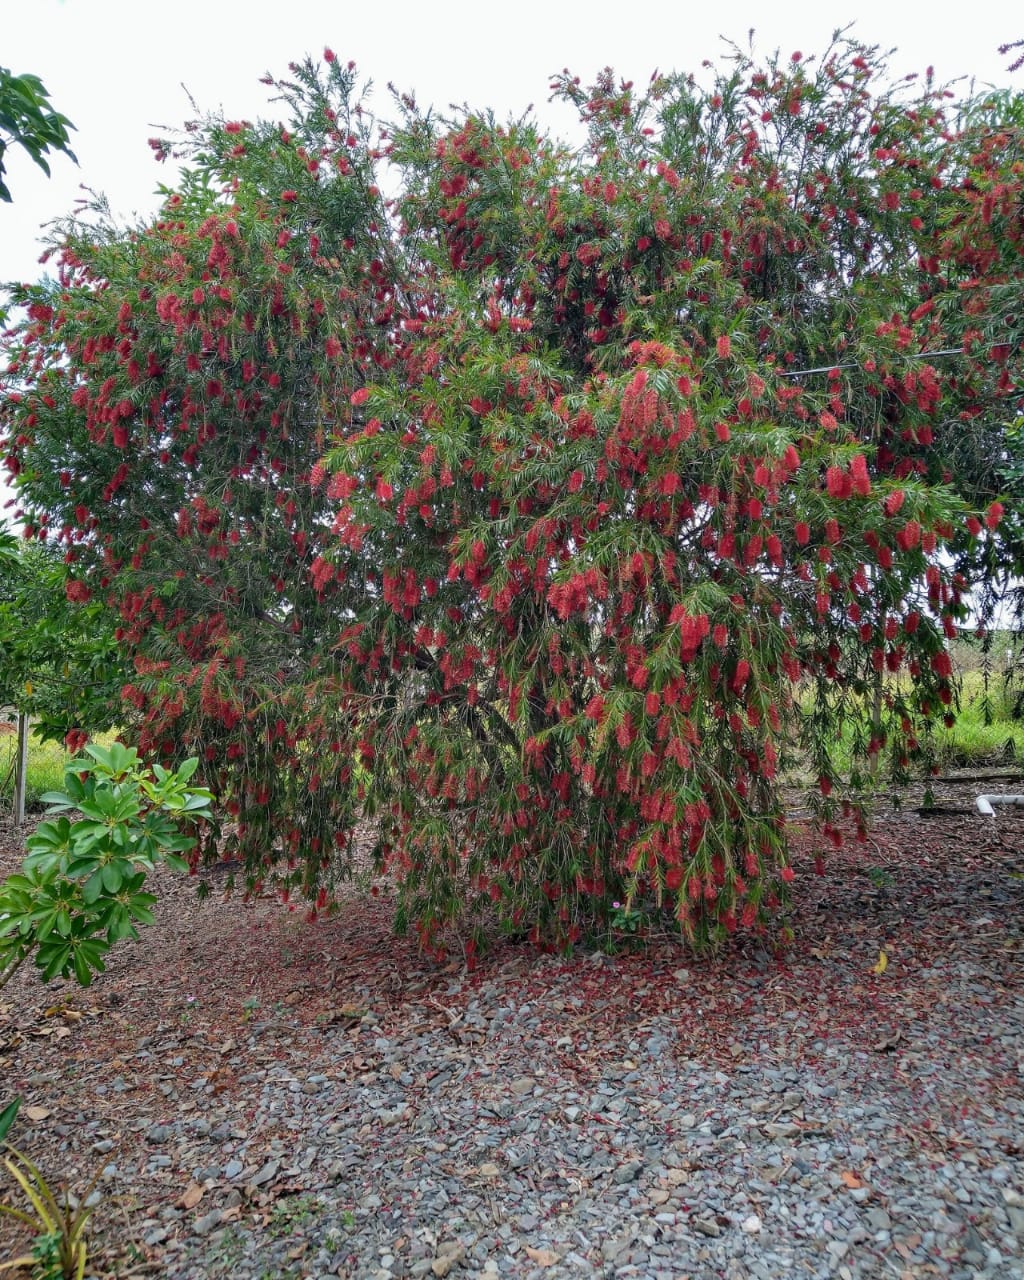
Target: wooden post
(20,771)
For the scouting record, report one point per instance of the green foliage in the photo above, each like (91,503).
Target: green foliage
(526,513)
(7,1117)
(62,664)
(80,888)
(27,120)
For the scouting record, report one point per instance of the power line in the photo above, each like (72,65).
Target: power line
(827,368)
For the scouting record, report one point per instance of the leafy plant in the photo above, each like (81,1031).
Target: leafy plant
(28,121)
(7,1117)
(60,1250)
(80,888)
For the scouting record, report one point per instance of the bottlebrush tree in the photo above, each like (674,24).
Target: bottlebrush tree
(547,510)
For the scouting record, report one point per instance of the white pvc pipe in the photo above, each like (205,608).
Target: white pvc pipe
(985,803)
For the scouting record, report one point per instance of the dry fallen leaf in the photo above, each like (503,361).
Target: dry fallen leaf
(191,1196)
(542,1257)
(888,1043)
(882,965)
(851,1180)
(37,1113)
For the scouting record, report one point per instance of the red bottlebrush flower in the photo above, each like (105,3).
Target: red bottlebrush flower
(742,675)
(234,126)
(361,396)
(652,704)
(724,346)
(332,348)
(859,478)
(802,533)
(384,491)
(909,536)
(289,197)
(77,592)
(973,526)
(994,515)
(575,482)
(942,665)
(720,635)
(838,483)
(329,55)
(893,502)
(595,708)
(825,785)
(788,874)
(722,431)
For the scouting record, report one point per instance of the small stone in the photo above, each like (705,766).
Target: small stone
(160,1133)
(627,1172)
(267,1174)
(706,1226)
(232,1169)
(489,1170)
(659,1195)
(204,1225)
(751,1225)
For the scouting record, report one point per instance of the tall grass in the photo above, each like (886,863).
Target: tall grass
(989,727)
(45,771)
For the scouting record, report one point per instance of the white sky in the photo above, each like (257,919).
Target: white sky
(120,69)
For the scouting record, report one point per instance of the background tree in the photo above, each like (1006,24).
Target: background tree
(61,663)
(27,120)
(549,510)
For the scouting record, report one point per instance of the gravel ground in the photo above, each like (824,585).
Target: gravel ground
(278,1101)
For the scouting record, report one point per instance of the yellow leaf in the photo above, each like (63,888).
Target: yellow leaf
(882,965)
(28,687)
